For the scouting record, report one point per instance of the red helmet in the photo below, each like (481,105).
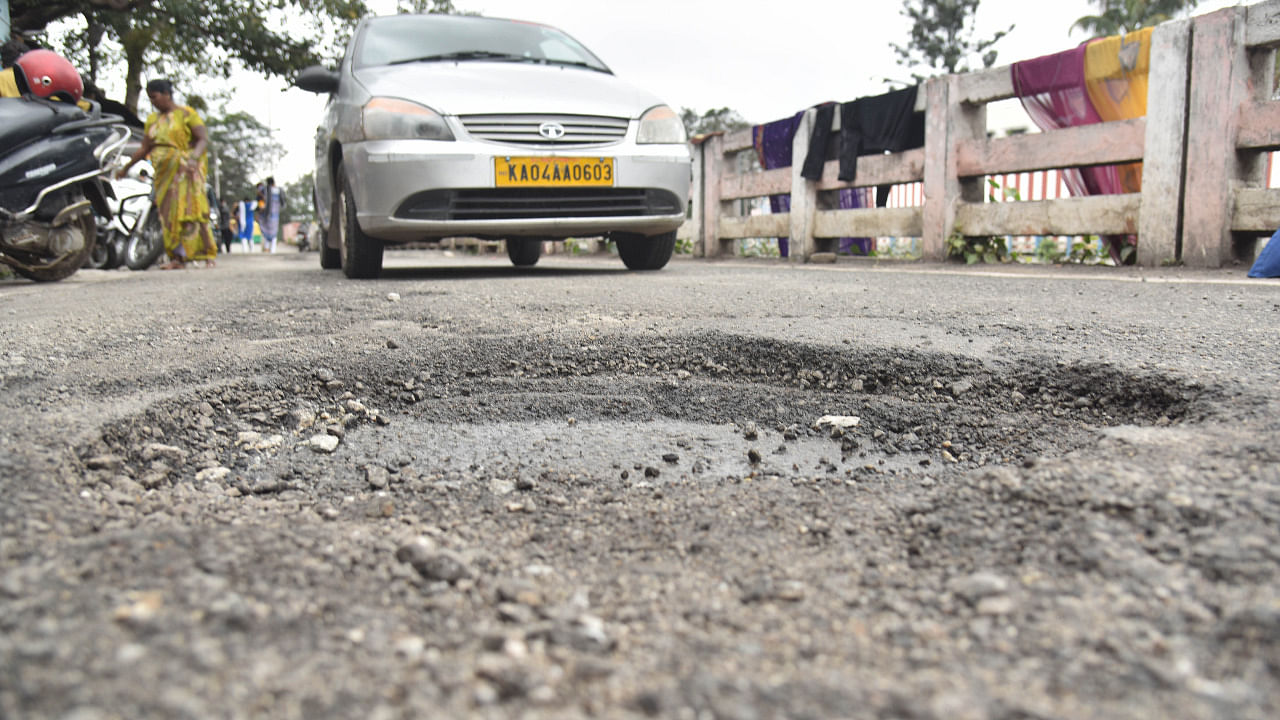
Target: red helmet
(49,75)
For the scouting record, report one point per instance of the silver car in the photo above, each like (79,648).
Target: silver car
(446,125)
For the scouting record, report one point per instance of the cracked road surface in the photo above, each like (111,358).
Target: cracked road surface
(722,490)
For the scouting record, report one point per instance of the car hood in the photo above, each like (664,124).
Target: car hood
(478,87)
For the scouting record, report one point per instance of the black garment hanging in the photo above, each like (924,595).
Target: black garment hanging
(884,123)
(818,137)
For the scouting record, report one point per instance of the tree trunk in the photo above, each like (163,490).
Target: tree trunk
(135,48)
(93,38)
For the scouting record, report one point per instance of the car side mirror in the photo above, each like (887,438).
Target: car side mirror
(318,79)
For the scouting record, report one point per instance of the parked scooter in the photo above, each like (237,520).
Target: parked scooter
(52,157)
(146,235)
(133,194)
(307,237)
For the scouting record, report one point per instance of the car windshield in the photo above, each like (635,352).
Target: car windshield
(400,39)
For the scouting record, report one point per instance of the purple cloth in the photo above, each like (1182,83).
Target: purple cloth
(855,198)
(773,143)
(1052,90)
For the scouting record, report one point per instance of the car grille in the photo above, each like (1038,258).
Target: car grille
(579,130)
(537,203)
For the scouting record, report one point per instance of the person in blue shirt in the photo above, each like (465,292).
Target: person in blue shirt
(244,216)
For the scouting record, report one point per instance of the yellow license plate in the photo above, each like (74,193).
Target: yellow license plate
(553,172)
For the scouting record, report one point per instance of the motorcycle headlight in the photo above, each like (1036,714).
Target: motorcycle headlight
(394,119)
(661,125)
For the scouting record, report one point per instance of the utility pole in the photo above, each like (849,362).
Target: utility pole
(217,175)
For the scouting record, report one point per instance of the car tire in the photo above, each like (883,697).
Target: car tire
(640,252)
(361,255)
(330,258)
(524,252)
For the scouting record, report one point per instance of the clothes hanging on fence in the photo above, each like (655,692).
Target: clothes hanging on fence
(851,198)
(773,143)
(1051,89)
(1056,92)
(1115,76)
(882,123)
(819,135)
(814,161)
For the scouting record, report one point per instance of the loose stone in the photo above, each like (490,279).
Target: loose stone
(323,443)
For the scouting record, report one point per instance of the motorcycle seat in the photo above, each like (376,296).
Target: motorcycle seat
(23,119)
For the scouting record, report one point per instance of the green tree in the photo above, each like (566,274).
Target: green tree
(943,37)
(299,204)
(1117,17)
(244,150)
(191,39)
(715,120)
(438,7)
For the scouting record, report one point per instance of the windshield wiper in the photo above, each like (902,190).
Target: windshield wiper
(577,63)
(463,55)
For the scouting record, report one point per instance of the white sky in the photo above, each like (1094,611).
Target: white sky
(702,54)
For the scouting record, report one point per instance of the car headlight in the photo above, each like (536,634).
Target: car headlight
(661,125)
(394,119)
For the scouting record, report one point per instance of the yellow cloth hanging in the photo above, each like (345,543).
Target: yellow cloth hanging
(1115,75)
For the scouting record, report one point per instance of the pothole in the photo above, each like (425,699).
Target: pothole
(703,406)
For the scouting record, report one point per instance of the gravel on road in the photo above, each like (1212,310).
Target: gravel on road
(724,490)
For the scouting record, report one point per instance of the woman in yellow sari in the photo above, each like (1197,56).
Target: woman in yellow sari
(175,139)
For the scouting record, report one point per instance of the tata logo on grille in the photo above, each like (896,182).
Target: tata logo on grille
(551,130)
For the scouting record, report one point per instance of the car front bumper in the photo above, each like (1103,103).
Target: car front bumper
(392,181)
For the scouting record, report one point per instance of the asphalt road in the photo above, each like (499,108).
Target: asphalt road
(465,490)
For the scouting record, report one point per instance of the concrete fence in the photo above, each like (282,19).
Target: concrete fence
(1204,143)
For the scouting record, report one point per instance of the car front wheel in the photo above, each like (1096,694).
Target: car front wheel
(640,252)
(360,255)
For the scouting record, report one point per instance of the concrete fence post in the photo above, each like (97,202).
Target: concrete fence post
(804,193)
(697,205)
(937,220)
(712,168)
(1163,163)
(964,121)
(1220,84)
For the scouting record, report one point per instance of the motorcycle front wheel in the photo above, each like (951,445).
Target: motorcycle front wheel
(146,243)
(103,254)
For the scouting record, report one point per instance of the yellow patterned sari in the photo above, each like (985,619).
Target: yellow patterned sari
(180,190)
(1115,74)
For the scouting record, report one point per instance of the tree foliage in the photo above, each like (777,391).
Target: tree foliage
(715,120)
(191,39)
(439,7)
(1117,17)
(943,37)
(244,150)
(299,205)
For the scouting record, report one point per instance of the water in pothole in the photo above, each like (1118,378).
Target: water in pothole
(605,449)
